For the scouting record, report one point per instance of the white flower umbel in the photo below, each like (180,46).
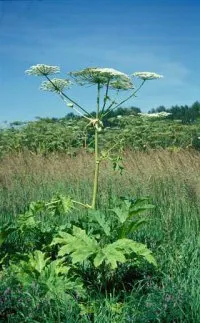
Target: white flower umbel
(42,70)
(147,75)
(110,72)
(55,85)
(121,85)
(97,75)
(155,115)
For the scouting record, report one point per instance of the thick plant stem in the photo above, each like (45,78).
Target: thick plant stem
(97,161)
(96,174)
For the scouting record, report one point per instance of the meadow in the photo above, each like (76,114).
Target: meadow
(100,212)
(169,292)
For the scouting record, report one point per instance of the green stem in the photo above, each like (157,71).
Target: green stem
(82,115)
(123,101)
(71,100)
(105,97)
(110,149)
(112,103)
(97,161)
(75,202)
(82,204)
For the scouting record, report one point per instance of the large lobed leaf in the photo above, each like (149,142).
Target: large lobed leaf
(117,251)
(79,245)
(101,221)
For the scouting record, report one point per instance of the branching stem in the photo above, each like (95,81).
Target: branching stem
(71,100)
(105,97)
(123,101)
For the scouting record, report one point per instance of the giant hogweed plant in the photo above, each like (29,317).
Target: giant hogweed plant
(92,243)
(106,80)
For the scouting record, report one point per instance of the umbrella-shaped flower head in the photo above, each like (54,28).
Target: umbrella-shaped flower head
(42,70)
(102,76)
(121,85)
(55,85)
(147,75)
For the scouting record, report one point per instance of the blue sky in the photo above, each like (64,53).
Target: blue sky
(128,35)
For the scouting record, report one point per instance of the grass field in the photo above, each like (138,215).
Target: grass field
(170,293)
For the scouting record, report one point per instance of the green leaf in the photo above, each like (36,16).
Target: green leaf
(27,221)
(78,244)
(101,220)
(37,206)
(60,267)
(66,249)
(37,260)
(111,255)
(133,226)
(138,248)
(61,239)
(81,255)
(117,251)
(6,230)
(3,258)
(66,203)
(139,206)
(121,213)
(100,257)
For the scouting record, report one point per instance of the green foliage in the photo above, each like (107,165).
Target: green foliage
(81,248)
(52,299)
(127,213)
(51,276)
(72,133)
(35,228)
(141,292)
(102,246)
(98,245)
(78,244)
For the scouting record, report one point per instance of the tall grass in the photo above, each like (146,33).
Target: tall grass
(172,181)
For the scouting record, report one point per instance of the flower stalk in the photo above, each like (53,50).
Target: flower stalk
(97,160)
(123,101)
(62,94)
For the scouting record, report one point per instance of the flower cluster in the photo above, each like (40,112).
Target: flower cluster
(103,76)
(155,115)
(42,70)
(121,85)
(55,85)
(147,75)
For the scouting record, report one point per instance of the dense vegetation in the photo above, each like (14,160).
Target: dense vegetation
(181,129)
(168,293)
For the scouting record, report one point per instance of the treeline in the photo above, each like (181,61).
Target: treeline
(186,114)
(120,111)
